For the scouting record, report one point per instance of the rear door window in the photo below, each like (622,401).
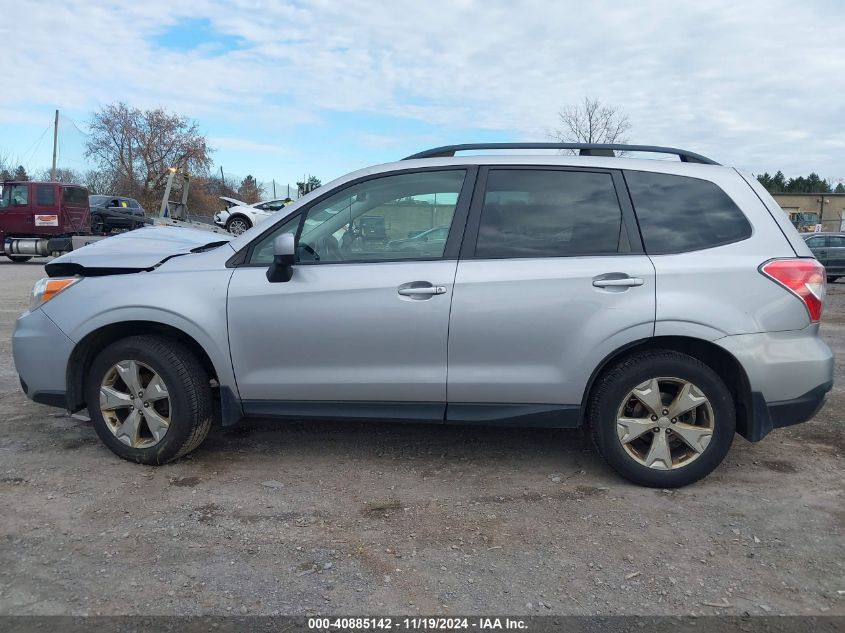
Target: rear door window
(816,242)
(678,214)
(836,241)
(548,213)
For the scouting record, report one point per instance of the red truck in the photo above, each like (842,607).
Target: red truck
(38,219)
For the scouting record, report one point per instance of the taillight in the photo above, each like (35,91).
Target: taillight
(805,278)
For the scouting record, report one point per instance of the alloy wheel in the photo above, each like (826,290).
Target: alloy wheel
(665,423)
(237,226)
(135,404)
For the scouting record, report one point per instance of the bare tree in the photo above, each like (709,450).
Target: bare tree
(6,166)
(63,174)
(592,122)
(138,148)
(99,182)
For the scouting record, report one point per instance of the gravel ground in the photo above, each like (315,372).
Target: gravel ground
(375,518)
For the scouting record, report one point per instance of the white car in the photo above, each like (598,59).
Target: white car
(240,216)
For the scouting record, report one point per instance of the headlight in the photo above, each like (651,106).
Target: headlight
(48,287)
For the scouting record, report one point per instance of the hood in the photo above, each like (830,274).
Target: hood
(134,251)
(233,202)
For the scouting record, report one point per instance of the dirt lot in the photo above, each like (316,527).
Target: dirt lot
(374,518)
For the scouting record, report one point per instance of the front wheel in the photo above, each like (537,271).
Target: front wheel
(238,225)
(19,259)
(149,399)
(662,419)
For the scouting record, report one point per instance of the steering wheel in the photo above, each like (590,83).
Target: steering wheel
(328,246)
(310,249)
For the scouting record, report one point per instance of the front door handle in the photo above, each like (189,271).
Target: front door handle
(425,290)
(625,281)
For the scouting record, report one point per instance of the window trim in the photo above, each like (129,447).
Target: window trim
(453,241)
(630,241)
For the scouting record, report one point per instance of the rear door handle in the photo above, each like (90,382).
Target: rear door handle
(625,281)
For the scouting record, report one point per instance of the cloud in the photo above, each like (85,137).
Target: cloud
(222,142)
(758,85)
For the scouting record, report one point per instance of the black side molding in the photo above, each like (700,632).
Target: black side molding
(551,416)
(355,410)
(526,415)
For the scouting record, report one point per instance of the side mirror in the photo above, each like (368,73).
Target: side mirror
(284,257)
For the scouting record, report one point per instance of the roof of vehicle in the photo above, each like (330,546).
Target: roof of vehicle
(584,149)
(807,236)
(108,195)
(41,182)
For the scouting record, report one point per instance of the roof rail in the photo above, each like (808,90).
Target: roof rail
(587,149)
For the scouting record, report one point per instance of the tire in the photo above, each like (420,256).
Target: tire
(98,225)
(19,259)
(189,399)
(238,224)
(830,279)
(610,398)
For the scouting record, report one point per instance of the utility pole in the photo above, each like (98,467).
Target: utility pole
(222,179)
(274,187)
(55,145)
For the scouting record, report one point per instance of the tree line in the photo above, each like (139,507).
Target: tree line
(132,151)
(810,184)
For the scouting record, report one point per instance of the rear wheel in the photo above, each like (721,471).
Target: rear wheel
(98,225)
(149,399)
(238,225)
(830,279)
(19,259)
(662,419)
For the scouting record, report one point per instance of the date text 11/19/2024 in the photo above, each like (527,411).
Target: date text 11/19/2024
(416,624)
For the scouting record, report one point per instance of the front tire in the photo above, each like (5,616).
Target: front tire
(149,399)
(238,225)
(662,418)
(19,259)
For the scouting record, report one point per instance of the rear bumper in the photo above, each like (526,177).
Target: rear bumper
(789,375)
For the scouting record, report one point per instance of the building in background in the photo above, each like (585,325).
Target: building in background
(808,209)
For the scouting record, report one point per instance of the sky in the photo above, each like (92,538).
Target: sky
(287,88)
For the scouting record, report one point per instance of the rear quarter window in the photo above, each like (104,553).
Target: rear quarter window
(678,214)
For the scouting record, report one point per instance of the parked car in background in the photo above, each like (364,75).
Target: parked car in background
(829,249)
(666,305)
(240,216)
(114,213)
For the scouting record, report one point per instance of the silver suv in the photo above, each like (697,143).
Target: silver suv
(666,305)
